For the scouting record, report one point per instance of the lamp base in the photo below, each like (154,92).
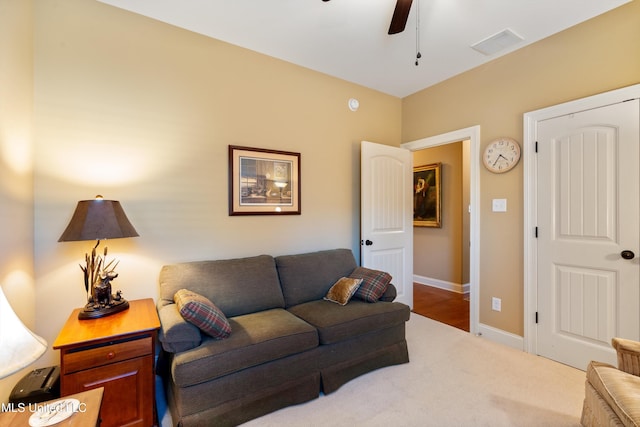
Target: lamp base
(90,311)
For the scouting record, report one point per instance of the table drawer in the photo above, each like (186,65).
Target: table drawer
(91,357)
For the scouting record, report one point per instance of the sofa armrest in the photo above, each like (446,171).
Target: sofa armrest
(390,294)
(176,334)
(628,355)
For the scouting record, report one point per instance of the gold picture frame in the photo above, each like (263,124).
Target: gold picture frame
(427,195)
(263,182)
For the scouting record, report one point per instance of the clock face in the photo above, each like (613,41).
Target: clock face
(501,155)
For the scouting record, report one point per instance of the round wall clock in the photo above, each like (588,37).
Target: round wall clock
(501,155)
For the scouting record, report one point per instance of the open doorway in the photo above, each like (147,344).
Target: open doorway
(444,306)
(441,247)
(470,181)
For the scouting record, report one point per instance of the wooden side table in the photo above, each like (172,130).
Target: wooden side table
(87,414)
(115,352)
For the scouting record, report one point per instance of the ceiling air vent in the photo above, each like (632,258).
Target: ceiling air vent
(497,42)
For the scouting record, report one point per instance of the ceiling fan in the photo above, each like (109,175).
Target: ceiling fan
(400,15)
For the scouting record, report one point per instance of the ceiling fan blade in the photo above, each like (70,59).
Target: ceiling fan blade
(400,15)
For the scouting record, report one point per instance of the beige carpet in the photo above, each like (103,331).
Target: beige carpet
(454,379)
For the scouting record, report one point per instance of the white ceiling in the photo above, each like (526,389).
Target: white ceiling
(348,38)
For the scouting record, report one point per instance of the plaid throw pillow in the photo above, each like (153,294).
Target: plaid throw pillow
(374,283)
(201,312)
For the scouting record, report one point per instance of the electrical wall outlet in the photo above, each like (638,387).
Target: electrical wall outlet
(496,304)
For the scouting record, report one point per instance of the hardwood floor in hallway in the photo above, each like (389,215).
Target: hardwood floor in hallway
(441,305)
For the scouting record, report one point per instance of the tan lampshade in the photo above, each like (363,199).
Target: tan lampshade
(98,219)
(19,347)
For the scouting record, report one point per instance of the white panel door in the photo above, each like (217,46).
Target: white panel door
(588,215)
(386,214)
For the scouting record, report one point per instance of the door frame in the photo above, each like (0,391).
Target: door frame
(473,135)
(530,180)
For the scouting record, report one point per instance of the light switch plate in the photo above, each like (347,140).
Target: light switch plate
(499,205)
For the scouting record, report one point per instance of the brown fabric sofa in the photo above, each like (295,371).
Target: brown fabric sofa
(287,343)
(612,396)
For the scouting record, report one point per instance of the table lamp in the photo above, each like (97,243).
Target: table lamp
(20,347)
(99,219)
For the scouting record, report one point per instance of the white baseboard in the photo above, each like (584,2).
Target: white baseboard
(489,332)
(500,336)
(442,284)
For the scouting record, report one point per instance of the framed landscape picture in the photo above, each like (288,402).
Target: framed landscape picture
(263,182)
(427,195)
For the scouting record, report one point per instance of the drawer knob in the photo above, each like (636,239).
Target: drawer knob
(111,355)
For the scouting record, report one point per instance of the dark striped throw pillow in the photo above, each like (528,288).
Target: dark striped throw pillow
(374,283)
(200,311)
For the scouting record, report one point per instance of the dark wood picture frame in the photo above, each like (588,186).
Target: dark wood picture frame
(263,182)
(427,195)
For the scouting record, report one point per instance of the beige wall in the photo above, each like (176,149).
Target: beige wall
(143,112)
(438,252)
(593,57)
(16,168)
(466,214)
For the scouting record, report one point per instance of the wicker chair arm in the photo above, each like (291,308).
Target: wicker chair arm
(628,355)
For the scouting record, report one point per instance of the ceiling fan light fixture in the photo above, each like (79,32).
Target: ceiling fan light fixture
(497,42)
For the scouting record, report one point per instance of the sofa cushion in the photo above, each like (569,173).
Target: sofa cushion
(619,389)
(257,338)
(337,323)
(342,291)
(308,277)
(238,286)
(374,283)
(201,312)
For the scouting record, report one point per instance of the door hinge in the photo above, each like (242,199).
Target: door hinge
(536,317)
(536,146)
(536,232)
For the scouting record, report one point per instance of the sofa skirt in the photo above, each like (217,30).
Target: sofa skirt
(244,395)
(346,360)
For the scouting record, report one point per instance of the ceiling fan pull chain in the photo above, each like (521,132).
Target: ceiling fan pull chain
(418,54)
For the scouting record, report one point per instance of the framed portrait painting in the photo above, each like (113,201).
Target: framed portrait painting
(427,195)
(263,182)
